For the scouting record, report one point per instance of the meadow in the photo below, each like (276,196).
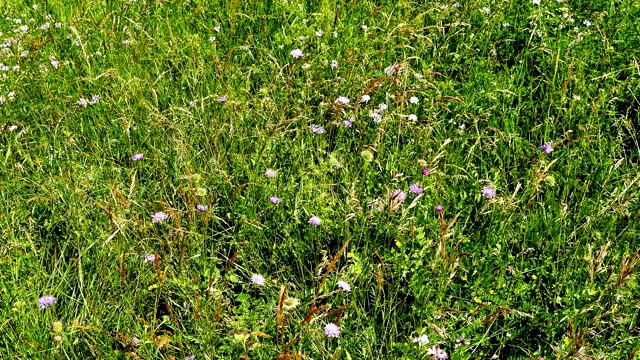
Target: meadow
(298,179)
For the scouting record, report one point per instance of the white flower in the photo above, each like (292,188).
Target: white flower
(414,100)
(421,340)
(413,117)
(536,2)
(364,27)
(319,33)
(212,38)
(344,286)
(297,53)
(485,10)
(216,29)
(334,64)
(365,98)
(343,100)
(587,23)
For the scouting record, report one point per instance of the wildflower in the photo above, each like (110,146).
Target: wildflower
(489,191)
(414,100)
(437,353)
(302,38)
(495,356)
(212,38)
(421,340)
(57,338)
(274,200)
(202,208)
(439,208)
(216,28)
(332,330)
(270,173)
(367,155)
(344,286)
(135,341)
(415,189)
(536,2)
(316,129)
(319,33)
(334,64)
(398,195)
(297,53)
(190,358)
(347,123)
(46,301)
(290,303)
(364,27)
(222,99)
(365,98)
(261,213)
(82,102)
(57,25)
(392,69)
(587,23)
(137,157)
(425,171)
(24,28)
(126,42)
(547,148)
(485,10)
(257,279)
(56,327)
(159,217)
(343,100)
(314,221)
(193,102)
(149,258)
(413,118)
(335,34)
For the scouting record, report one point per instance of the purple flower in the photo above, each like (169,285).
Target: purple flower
(94,99)
(398,195)
(191,358)
(489,191)
(347,123)
(82,102)
(425,171)
(316,129)
(46,301)
(314,221)
(270,173)
(439,207)
(222,99)
(297,53)
(332,330)
(135,341)
(274,200)
(415,189)
(149,258)
(547,148)
(257,279)
(137,157)
(343,100)
(344,286)
(159,217)
(437,353)
(202,208)
(261,213)
(421,340)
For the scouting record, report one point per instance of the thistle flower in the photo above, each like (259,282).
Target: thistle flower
(332,330)
(489,191)
(343,100)
(439,208)
(297,53)
(270,173)
(425,171)
(159,217)
(274,200)
(415,189)
(46,301)
(421,340)
(149,258)
(398,195)
(547,148)
(202,208)
(137,157)
(344,286)
(257,279)
(314,221)
(290,303)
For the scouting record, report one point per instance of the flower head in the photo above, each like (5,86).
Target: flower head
(274,200)
(347,123)
(343,100)
(46,301)
(334,64)
(135,341)
(437,353)
(316,129)
(398,195)
(257,279)
(270,173)
(297,53)
(149,258)
(439,207)
(414,100)
(344,286)
(332,330)
(159,217)
(137,157)
(421,340)
(82,102)
(547,148)
(222,99)
(425,171)
(415,189)
(290,303)
(413,118)
(202,208)
(314,221)
(489,191)
(365,98)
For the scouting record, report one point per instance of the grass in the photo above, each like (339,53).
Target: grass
(545,269)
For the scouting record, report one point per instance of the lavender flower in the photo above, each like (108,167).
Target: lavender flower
(159,217)
(547,148)
(190,358)
(316,129)
(297,53)
(421,340)
(137,157)
(425,171)
(149,258)
(332,330)
(398,195)
(439,208)
(222,99)
(314,221)
(270,173)
(274,200)
(343,100)
(415,189)
(257,279)
(46,301)
(344,286)
(202,208)
(489,191)
(347,123)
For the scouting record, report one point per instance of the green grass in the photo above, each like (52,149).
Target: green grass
(546,269)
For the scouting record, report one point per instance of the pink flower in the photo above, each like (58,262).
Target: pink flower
(314,221)
(137,157)
(344,286)
(332,330)
(297,53)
